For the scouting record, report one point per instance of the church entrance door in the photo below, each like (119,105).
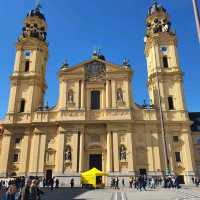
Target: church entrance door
(48,174)
(95,160)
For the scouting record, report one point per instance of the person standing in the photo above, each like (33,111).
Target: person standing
(57,183)
(123,183)
(72,183)
(10,194)
(51,183)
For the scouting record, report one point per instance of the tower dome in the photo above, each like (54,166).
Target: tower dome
(34,25)
(156,8)
(157,20)
(36,12)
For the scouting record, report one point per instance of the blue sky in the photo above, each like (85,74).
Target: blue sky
(76,27)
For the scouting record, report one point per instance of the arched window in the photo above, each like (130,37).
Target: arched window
(170,103)
(95,100)
(120,95)
(165,62)
(22,105)
(70,96)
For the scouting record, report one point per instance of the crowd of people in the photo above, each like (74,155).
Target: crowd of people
(142,182)
(22,188)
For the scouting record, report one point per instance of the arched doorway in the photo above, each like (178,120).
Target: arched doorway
(95,160)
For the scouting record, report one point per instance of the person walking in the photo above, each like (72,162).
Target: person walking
(25,193)
(33,190)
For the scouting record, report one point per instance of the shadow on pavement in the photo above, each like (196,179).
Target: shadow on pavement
(63,193)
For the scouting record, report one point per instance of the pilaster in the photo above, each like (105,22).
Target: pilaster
(81,153)
(42,153)
(24,154)
(130,153)
(4,159)
(109,152)
(116,151)
(60,152)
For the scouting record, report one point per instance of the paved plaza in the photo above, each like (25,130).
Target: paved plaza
(186,193)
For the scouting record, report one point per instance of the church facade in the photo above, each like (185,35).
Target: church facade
(96,122)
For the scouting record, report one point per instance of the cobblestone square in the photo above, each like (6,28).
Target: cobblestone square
(185,193)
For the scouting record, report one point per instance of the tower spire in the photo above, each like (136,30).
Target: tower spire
(37,4)
(155,2)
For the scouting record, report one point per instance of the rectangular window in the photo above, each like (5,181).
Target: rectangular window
(16,157)
(171,103)
(175,138)
(27,64)
(22,105)
(178,156)
(165,62)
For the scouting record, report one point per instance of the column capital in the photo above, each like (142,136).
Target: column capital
(39,131)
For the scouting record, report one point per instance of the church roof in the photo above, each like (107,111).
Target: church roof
(195,117)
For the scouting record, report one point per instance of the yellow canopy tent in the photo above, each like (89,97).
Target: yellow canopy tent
(90,177)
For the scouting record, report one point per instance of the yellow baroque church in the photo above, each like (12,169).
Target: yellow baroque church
(96,122)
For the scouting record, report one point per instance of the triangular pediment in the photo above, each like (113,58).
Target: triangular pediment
(94,66)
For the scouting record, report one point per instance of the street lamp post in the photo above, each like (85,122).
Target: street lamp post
(197,17)
(165,151)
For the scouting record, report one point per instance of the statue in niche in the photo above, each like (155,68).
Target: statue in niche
(68,153)
(71,96)
(119,95)
(122,152)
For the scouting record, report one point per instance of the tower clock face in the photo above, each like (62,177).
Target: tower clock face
(164,50)
(27,53)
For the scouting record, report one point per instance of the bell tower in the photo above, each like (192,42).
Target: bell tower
(28,78)
(162,61)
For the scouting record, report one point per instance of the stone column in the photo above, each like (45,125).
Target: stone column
(24,155)
(4,159)
(42,155)
(81,153)
(130,153)
(33,168)
(109,152)
(13,98)
(107,94)
(113,85)
(116,152)
(82,94)
(60,153)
